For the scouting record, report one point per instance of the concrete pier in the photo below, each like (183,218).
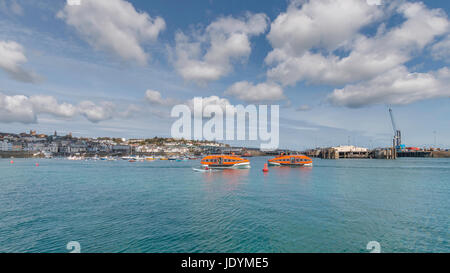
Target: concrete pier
(352,152)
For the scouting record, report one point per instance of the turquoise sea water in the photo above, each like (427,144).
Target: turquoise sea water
(336,206)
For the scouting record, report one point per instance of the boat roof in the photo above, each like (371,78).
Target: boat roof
(285,156)
(234,156)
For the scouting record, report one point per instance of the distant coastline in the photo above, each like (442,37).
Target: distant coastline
(32,144)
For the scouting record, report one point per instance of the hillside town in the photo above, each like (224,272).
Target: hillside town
(42,145)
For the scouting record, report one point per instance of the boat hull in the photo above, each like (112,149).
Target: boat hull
(290,164)
(245,165)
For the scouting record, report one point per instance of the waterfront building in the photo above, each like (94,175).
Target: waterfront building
(5,146)
(121,148)
(77,148)
(17,148)
(349,149)
(51,148)
(35,147)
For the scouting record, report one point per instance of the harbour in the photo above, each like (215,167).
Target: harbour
(164,206)
(224,135)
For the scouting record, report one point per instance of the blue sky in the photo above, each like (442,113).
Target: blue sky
(334,67)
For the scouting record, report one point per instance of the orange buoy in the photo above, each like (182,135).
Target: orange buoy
(266,168)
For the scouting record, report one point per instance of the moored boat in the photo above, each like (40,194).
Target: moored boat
(75,157)
(225,162)
(291,160)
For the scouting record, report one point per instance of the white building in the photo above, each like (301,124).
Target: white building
(347,149)
(52,148)
(182,150)
(35,147)
(5,146)
(77,148)
(121,148)
(149,149)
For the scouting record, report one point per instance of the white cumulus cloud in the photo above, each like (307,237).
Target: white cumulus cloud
(210,101)
(368,57)
(12,57)
(441,50)
(49,105)
(16,109)
(155,97)
(397,86)
(114,26)
(24,109)
(319,24)
(209,55)
(96,113)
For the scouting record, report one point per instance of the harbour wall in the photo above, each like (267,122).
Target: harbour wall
(440,154)
(20,154)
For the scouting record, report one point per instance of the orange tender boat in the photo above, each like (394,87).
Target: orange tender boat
(291,160)
(225,162)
